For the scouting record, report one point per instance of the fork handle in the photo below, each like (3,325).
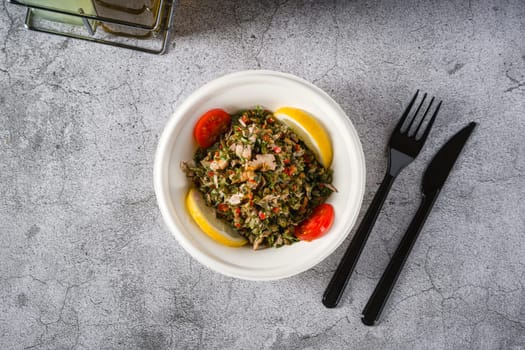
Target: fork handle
(379,297)
(342,274)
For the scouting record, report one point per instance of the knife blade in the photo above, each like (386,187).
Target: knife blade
(442,163)
(434,178)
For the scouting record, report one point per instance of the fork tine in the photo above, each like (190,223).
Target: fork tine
(405,113)
(424,116)
(417,112)
(429,126)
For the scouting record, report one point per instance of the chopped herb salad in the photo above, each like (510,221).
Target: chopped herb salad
(260,178)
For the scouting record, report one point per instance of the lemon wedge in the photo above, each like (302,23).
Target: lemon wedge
(310,131)
(205,218)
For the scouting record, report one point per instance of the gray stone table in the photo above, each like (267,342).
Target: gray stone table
(87,263)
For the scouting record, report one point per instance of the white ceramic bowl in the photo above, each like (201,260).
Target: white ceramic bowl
(245,90)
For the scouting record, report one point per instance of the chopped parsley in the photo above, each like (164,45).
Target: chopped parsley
(261,178)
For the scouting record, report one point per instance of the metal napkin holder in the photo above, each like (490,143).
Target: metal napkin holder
(155,43)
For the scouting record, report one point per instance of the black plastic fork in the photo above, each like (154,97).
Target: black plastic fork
(405,145)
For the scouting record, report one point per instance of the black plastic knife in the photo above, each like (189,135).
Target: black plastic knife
(433,180)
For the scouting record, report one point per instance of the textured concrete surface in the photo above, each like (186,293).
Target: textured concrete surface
(87,263)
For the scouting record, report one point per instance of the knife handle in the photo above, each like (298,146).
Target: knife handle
(379,297)
(344,270)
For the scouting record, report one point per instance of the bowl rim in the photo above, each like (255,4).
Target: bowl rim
(164,148)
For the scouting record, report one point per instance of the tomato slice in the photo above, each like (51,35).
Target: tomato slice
(317,224)
(210,126)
